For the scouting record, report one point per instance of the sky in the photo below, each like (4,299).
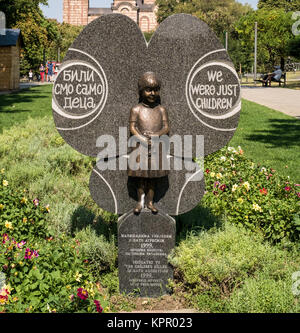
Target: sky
(55,8)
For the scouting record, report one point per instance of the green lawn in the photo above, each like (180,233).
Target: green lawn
(17,107)
(270,138)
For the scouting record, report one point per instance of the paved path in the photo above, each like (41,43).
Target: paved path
(281,99)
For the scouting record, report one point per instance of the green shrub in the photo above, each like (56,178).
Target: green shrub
(148,35)
(52,170)
(212,266)
(43,273)
(264,295)
(251,195)
(20,217)
(101,254)
(47,276)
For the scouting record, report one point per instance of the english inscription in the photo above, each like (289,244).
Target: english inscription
(213,90)
(145,241)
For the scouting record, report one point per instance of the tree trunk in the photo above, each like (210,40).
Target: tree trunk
(282,63)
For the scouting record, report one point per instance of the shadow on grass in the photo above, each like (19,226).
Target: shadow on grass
(22,105)
(283,133)
(83,218)
(195,221)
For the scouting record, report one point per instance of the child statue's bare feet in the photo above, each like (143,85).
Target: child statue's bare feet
(138,208)
(152,208)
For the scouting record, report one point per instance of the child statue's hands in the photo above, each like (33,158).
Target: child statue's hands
(148,134)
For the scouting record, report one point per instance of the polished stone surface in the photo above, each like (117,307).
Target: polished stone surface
(118,55)
(144,243)
(97,87)
(175,194)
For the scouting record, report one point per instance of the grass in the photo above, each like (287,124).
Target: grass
(269,137)
(232,270)
(17,107)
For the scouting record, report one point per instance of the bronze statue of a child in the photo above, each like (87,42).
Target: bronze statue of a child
(148,119)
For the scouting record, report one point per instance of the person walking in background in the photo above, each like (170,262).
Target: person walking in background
(50,71)
(42,72)
(30,75)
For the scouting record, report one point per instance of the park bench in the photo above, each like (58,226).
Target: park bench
(281,81)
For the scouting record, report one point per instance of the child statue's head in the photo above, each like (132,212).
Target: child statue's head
(149,87)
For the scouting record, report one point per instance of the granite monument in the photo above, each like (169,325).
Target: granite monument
(172,100)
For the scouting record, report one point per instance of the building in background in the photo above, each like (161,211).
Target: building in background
(10,44)
(78,12)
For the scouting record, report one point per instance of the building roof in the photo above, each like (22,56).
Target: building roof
(99,11)
(10,38)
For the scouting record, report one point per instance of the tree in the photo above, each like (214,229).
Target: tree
(294,47)
(287,5)
(34,35)
(37,31)
(15,10)
(66,34)
(220,15)
(274,34)
(166,8)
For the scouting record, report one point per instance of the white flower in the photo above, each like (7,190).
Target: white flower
(223,158)
(77,276)
(263,169)
(234,187)
(256,207)
(247,185)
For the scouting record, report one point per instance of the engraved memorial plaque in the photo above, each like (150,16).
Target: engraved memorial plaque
(145,241)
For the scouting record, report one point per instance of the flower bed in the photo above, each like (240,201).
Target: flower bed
(252,195)
(40,273)
(44,272)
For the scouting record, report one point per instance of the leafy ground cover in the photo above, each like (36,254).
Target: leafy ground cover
(236,252)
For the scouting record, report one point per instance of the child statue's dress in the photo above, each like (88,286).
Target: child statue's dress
(149,119)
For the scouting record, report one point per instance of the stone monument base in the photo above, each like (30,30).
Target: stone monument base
(144,243)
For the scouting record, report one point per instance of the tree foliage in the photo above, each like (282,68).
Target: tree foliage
(42,37)
(287,5)
(294,47)
(15,10)
(66,34)
(220,15)
(274,34)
